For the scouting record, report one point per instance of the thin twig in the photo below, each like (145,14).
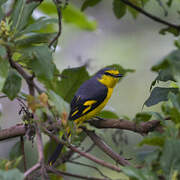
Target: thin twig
(40,152)
(88,150)
(23,152)
(31,170)
(58,172)
(59,23)
(84,154)
(28,78)
(87,165)
(106,149)
(151,16)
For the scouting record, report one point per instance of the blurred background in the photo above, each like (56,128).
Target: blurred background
(132,43)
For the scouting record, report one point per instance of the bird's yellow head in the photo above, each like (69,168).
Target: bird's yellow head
(108,76)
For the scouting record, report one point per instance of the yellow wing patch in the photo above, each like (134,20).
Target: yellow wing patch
(75,112)
(89,104)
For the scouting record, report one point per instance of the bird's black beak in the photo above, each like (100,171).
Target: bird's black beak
(117,75)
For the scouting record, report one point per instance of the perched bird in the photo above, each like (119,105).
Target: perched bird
(90,99)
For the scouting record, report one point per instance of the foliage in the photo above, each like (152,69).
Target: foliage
(27,45)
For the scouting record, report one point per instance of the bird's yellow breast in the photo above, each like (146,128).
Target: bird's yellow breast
(92,113)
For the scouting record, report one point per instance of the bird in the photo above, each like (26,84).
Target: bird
(90,99)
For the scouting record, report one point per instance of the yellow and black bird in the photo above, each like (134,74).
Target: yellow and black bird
(90,99)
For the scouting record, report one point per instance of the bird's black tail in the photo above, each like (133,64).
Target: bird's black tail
(56,154)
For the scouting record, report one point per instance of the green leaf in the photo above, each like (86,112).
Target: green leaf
(169,3)
(12,85)
(21,14)
(159,94)
(153,140)
(2,2)
(170,159)
(73,15)
(119,8)
(14,174)
(108,114)
(139,174)
(133,12)
(39,24)
(60,105)
(35,38)
(70,14)
(1,9)
(142,117)
(171,30)
(71,81)
(4,67)
(2,51)
(168,68)
(47,7)
(42,65)
(49,149)
(89,3)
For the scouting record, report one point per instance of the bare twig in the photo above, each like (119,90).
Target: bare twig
(87,165)
(106,149)
(58,172)
(23,152)
(59,23)
(88,150)
(157,19)
(84,154)
(41,153)
(31,170)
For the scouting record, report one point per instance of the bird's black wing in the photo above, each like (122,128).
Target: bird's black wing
(90,95)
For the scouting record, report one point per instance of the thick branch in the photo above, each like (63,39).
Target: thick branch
(140,10)
(14,131)
(142,128)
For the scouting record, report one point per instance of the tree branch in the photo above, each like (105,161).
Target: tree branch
(28,78)
(59,23)
(31,170)
(58,172)
(140,10)
(84,154)
(41,153)
(90,166)
(23,152)
(141,128)
(106,149)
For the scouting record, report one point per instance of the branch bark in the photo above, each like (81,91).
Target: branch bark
(84,154)
(106,149)
(150,16)
(61,173)
(141,128)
